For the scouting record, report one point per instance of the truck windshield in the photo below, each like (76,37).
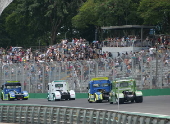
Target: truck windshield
(96,85)
(12,87)
(58,85)
(105,85)
(124,84)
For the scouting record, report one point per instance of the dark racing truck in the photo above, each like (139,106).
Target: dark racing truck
(12,90)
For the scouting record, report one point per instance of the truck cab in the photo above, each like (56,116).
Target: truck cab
(12,90)
(98,89)
(124,90)
(58,90)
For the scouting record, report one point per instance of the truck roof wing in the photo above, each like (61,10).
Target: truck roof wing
(99,78)
(121,80)
(12,81)
(59,81)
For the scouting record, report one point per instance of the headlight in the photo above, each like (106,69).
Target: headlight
(25,94)
(113,93)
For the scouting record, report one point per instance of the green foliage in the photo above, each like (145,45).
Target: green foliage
(30,22)
(34,20)
(85,16)
(107,13)
(156,12)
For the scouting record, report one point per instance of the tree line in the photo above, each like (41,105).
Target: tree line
(45,22)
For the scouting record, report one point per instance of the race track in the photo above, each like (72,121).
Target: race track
(151,104)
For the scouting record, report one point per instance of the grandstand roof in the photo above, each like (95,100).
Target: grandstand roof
(127,26)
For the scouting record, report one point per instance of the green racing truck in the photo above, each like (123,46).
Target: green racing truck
(124,90)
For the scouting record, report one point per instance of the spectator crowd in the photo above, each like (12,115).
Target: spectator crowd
(80,49)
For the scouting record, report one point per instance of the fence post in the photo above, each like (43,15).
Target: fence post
(96,68)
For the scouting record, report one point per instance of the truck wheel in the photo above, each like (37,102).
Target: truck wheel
(95,100)
(139,99)
(48,98)
(121,101)
(89,100)
(25,98)
(54,98)
(2,97)
(111,102)
(9,98)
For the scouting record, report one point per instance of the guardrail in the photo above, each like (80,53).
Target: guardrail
(32,114)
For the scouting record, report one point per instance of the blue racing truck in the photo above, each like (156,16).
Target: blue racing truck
(12,90)
(98,89)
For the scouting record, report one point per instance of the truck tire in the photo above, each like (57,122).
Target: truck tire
(89,100)
(25,98)
(95,98)
(2,97)
(97,101)
(54,98)
(48,99)
(10,98)
(139,99)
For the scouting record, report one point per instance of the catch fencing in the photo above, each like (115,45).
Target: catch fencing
(31,114)
(150,72)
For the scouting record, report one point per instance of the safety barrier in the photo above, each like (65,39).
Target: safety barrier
(148,92)
(32,114)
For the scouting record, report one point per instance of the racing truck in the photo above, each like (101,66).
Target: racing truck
(11,90)
(124,90)
(59,90)
(98,89)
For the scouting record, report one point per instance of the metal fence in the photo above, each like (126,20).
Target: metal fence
(31,114)
(149,71)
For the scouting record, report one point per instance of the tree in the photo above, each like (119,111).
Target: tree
(157,13)
(43,20)
(107,13)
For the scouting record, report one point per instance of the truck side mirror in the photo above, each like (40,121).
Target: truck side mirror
(1,88)
(87,88)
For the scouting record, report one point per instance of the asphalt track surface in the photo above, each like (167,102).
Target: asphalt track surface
(155,105)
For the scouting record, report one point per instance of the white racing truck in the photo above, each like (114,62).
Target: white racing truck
(58,90)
